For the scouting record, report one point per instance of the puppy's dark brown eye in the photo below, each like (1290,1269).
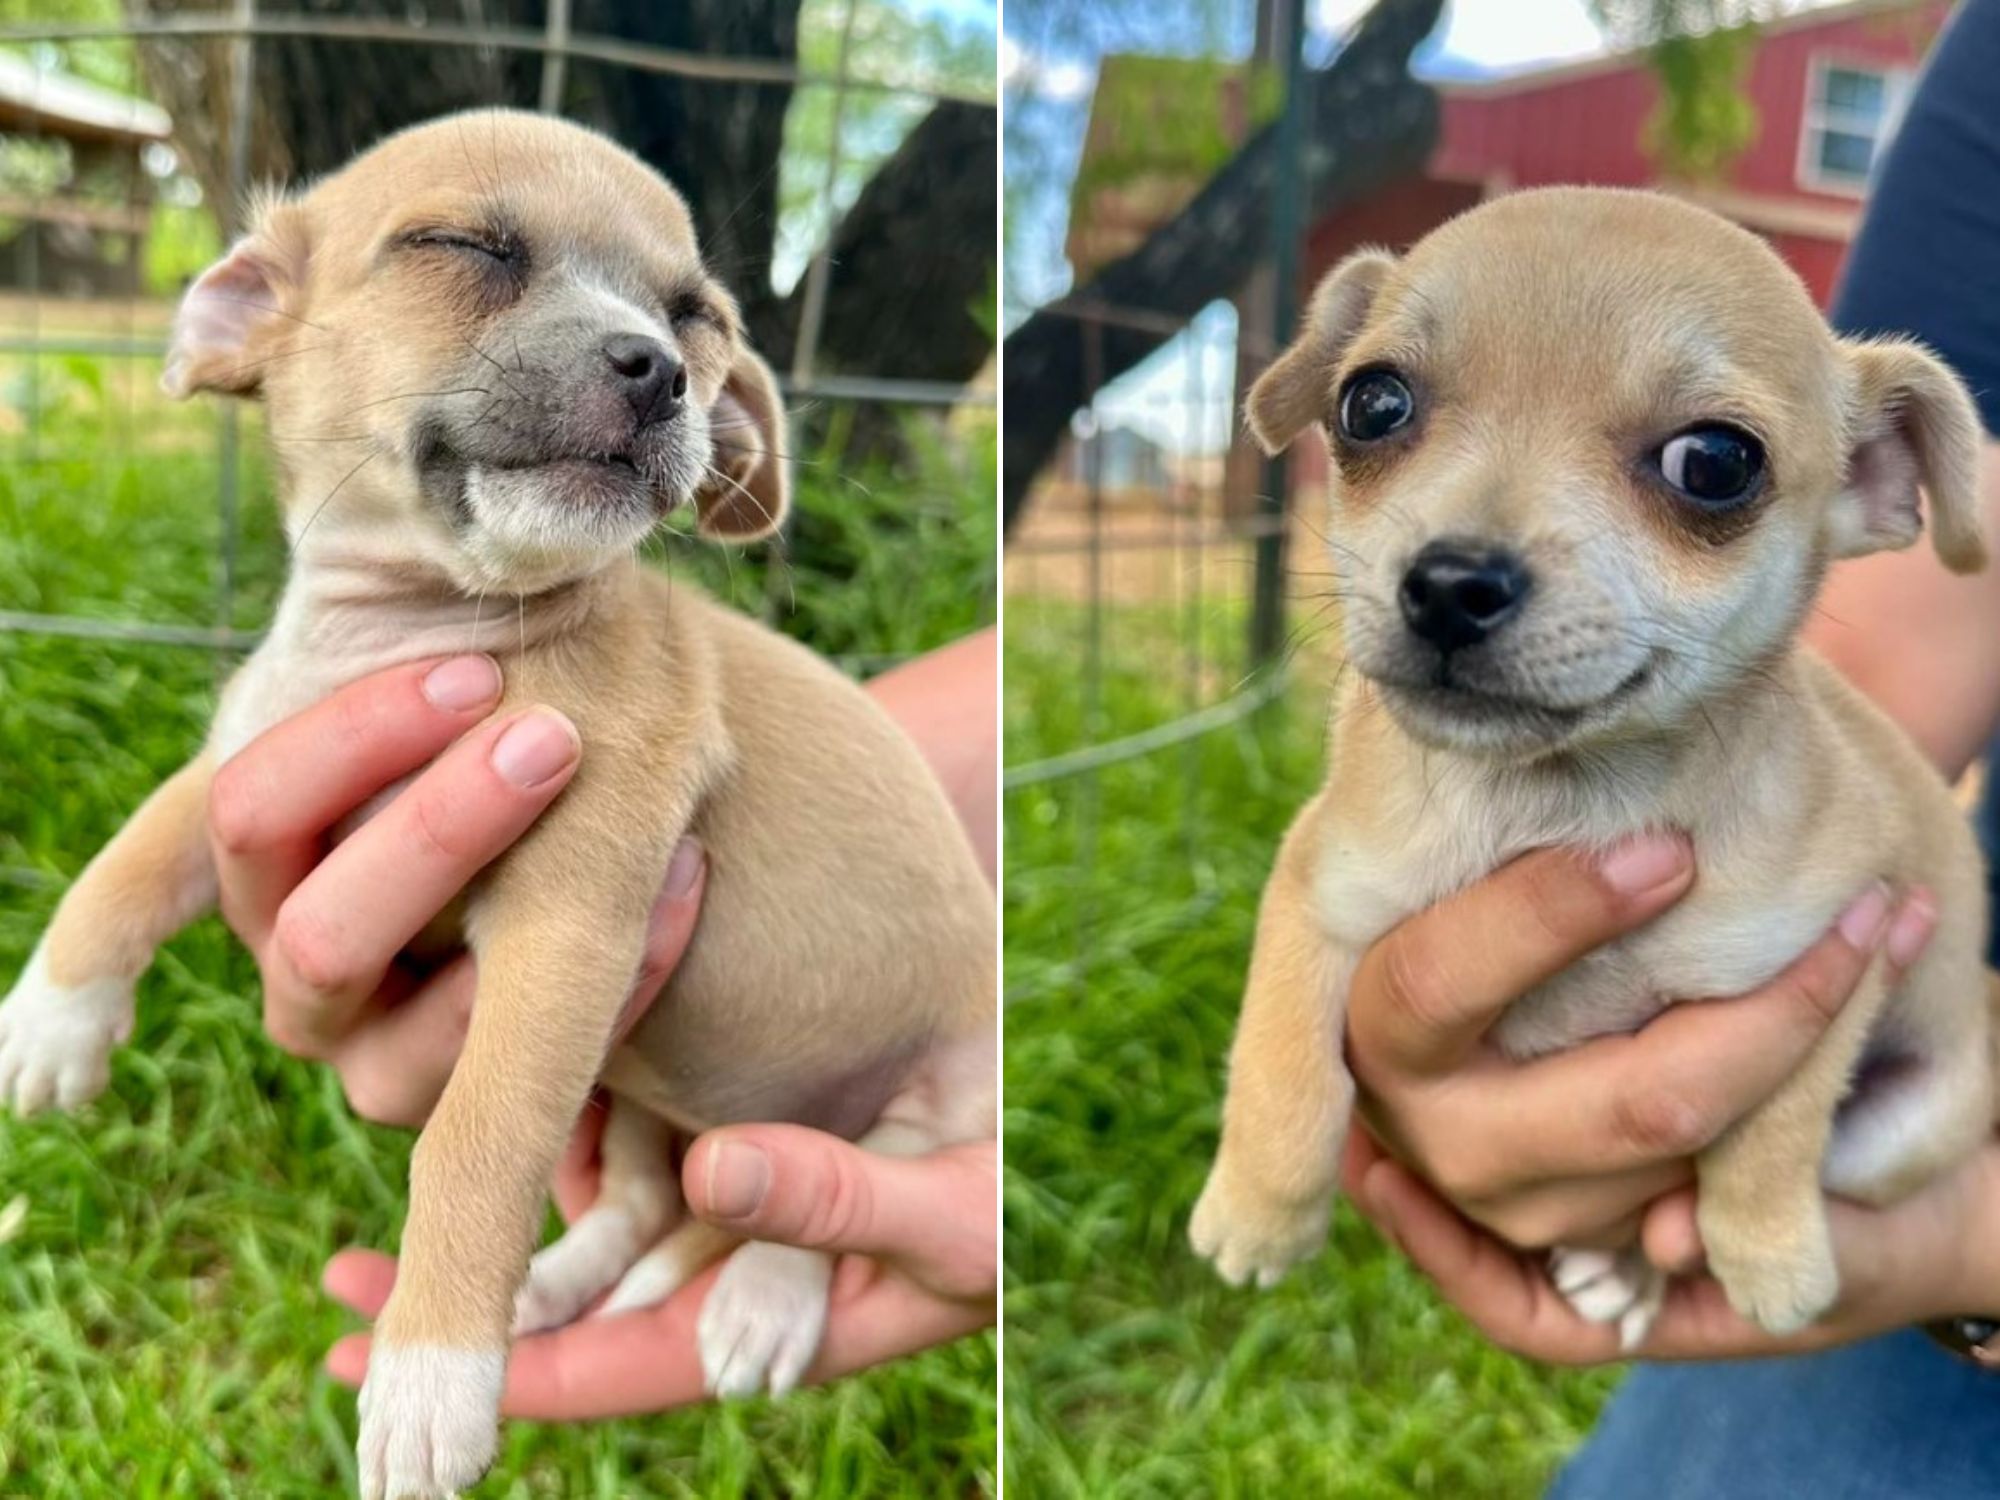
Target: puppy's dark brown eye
(1718,468)
(1373,404)
(690,307)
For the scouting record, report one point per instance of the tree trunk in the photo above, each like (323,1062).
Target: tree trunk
(1368,123)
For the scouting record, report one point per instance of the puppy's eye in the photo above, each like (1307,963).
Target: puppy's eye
(502,252)
(1715,467)
(690,307)
(1374,404)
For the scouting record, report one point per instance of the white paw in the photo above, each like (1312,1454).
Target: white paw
(1611,1286)
(761,1324)
(430,1420)
(667,1267)
(1249,1235)
(566,1277)
(55,1042)
(1781,1287)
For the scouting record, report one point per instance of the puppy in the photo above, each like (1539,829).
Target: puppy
(493,360)
(1592,454)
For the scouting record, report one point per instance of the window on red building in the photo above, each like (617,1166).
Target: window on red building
(1852,109)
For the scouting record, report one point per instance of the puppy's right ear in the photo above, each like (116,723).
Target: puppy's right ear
(234,317)
(1296,390)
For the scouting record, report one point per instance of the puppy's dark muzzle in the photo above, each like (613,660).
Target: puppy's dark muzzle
(1456,594)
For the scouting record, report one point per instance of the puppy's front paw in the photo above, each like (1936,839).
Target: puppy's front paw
(1611,1286)
(56,1041)
(429,1420)
(762,1321)
(1247,1233)
(1781,1283)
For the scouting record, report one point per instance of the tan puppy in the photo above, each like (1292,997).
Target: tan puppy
(493,360)
(1593,452)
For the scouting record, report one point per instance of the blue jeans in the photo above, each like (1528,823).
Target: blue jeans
(1895,1418)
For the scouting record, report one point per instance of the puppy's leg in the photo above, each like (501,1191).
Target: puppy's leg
(763,1320)
(1270,1193)
(1759,1203)
(74,1001)
(558,944)
(638,1200)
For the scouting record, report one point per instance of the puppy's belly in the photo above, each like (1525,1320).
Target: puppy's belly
(1691,954)
(740,1091)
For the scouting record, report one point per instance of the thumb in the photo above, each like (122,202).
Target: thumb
(669,930)
(934,1216)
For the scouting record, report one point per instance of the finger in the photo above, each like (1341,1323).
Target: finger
(1670,1236)
(397,1058)
(338,932)
(644,1362)
(669,931)
(934,1216)
(1581,1213)
(1506,1295)
(580,1172)
(1426,993)
(271,804)
(1667,1092)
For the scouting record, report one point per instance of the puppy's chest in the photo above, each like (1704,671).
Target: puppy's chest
(1724,938)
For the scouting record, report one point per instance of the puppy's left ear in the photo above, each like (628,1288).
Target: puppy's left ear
(1297,390)
(234,318)
(1916,427)
(751,488)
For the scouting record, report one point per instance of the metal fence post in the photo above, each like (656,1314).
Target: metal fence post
(1267,612)
(555,61)
(242,102)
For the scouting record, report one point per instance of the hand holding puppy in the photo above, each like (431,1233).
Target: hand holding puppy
(328,931)
(1579,1147)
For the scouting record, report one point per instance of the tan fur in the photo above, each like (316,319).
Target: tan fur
(845,952)
(1555,339)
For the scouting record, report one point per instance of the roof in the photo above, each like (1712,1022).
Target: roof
(1534,77)
(53,103)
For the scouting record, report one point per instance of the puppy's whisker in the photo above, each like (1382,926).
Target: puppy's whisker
(463,390)
(264,307)
(318,510)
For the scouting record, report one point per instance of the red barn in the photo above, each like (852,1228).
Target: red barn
(1828,87)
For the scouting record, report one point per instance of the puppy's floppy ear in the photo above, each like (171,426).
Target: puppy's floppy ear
(235,316)
(1916,426)
(1293,393)
(752,487)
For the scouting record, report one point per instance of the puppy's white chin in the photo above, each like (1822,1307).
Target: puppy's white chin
(531,530)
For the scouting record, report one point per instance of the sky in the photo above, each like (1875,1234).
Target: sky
(1047,77)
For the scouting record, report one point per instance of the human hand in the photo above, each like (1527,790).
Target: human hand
(328,924)
(1931,1256)
(917,1238)
(1570,1149)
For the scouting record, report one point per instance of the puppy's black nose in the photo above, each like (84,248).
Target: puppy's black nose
(1458,593)
(652,379)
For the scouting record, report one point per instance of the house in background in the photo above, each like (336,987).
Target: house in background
(1828,87)
(75,192)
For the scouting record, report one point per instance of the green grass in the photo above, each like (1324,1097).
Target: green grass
(1130,1370)
(160,1324)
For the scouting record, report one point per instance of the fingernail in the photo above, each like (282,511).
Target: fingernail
(683,869)
(1644,862)
(738,1177)
(463,683)
(1861,923)
(1911,930)
(535,747)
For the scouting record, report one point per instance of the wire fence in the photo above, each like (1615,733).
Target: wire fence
(1146,598)
(50,104)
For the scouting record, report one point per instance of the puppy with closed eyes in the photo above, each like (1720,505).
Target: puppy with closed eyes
(1592,454)
(493,360)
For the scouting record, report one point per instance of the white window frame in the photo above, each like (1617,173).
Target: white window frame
(1817,119)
